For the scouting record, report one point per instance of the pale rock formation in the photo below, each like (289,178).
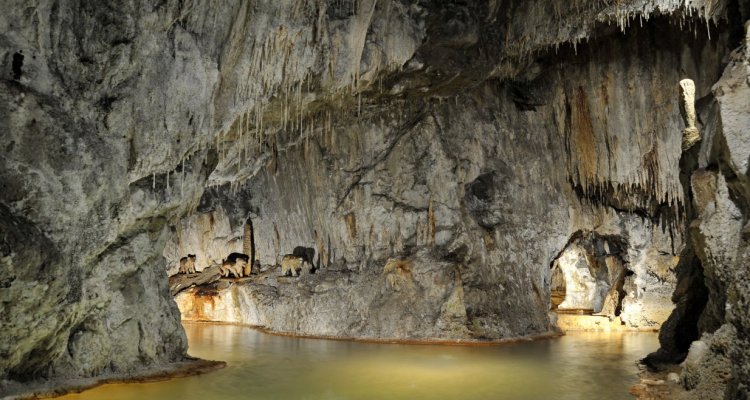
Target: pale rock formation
(690,135)
(581,286)
(716,366)
(343,304)
(210,236)
(179,282)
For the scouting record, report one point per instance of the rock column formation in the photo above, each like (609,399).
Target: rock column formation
(690,135)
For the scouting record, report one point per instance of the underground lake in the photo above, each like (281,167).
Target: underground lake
(579,365)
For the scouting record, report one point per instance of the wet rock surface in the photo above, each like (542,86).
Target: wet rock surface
(443,178)
(180,282)
(712,286)
(423,300)
(472,139)
(719,235)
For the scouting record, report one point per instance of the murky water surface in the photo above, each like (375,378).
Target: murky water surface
(261,366)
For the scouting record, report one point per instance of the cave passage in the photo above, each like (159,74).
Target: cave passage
(589,275)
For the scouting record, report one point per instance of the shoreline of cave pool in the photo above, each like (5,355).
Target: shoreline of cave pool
(191,366)
(396,341)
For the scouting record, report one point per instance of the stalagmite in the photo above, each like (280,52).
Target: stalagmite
(370,240)
(398,246)
(690,135)
(322,254)
(248,241)
(276,243)
(419,231)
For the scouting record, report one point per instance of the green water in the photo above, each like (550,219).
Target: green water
(261,366)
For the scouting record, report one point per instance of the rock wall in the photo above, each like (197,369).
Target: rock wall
(720,190)
(210,236)
(421,300)
(477,181)
(474,136)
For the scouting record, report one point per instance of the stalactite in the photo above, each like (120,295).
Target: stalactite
(399,244)
(431,223)
(182,179)
(420,240)
(371,239)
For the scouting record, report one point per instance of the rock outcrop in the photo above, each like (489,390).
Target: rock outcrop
(720,236)
(477,140)
(180,282)
(422,302)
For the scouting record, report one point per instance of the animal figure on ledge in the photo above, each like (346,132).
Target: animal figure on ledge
(294,265)
(236,264)
(187,264)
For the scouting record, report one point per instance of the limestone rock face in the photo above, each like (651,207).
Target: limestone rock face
(423,301)
(474,139)
(209,236)
(582,291)
(446,177)
(719,233)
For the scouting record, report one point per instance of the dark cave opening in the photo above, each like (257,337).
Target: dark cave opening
(620,287)
(17,65)
(682,326)
(691,294)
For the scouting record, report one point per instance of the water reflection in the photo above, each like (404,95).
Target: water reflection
(260,366)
